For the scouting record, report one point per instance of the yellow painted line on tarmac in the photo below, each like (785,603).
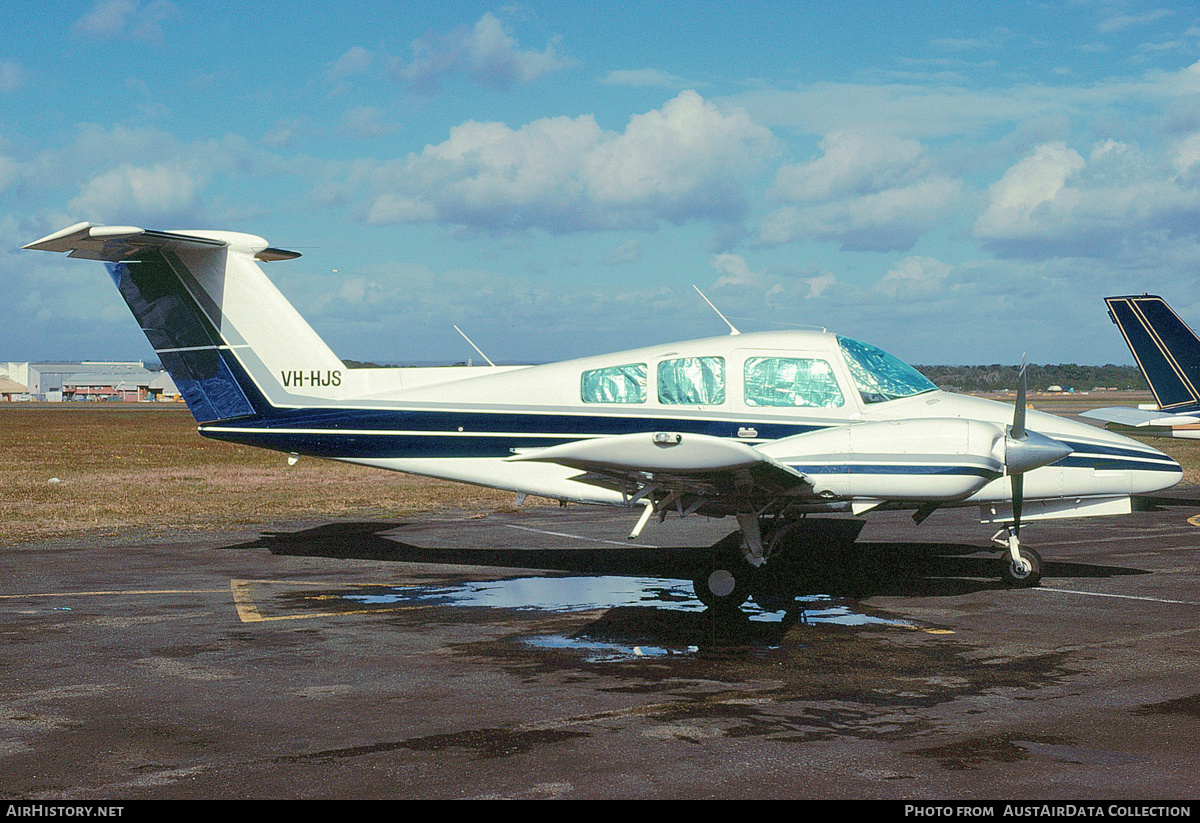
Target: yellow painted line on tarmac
(248,611)
(1194,520)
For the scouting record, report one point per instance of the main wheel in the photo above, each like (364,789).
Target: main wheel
(723,584)
(1027,577)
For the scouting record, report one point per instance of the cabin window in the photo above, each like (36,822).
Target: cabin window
(693,381)
(615,384)
(791,381)
(879,376)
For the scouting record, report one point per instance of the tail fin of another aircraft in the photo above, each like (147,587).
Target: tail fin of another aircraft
(1165,348)
(232,343)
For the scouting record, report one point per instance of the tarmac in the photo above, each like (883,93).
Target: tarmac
(540,654)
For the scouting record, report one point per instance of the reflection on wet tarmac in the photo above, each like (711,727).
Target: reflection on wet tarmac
(577,594)
(618,595)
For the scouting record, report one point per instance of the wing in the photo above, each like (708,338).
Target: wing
(692,472)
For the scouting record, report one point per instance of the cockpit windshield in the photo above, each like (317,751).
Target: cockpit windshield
(879,376)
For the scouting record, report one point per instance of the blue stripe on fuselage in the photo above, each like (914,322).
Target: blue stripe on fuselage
(889,468)
(384,433)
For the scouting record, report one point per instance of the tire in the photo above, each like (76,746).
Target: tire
(1027,579)
(723,585)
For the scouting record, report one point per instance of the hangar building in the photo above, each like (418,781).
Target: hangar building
(90,380)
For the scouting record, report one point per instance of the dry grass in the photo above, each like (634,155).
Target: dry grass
(121,466)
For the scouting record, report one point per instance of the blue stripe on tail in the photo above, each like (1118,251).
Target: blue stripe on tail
(212,382)
(1167,351)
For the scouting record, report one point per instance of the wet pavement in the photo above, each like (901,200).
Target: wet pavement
(540,654)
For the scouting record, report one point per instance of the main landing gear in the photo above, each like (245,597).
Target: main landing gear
(725,583)
(822,552)
(747,563)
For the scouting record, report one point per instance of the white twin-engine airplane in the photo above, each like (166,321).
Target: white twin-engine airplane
(767,427)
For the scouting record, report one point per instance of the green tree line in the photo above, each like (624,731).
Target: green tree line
(1069,376)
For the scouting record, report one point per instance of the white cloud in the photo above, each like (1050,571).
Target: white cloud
(283,133)
(628,252)
(877,194)
(12,76)
(367,121)
(946,110)
(486,53)
(915,277)
(355,60)
(852,163)
(641,78)
(10,171)
(1027,187)
(124,19)
(1118,22)
(138,174)
(150,193)
(1186,154)
(685,161)
(1116,202)
(757,290)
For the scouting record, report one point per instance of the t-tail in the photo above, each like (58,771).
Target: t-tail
(1168,353)
(1165,348)
(233,344)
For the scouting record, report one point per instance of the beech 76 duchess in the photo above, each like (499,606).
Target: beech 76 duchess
(767,427)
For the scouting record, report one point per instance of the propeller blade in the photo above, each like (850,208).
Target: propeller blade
(1018,426)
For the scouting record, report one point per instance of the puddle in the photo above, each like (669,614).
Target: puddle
(579,594)
(546,594)
(600,651)
(582,594)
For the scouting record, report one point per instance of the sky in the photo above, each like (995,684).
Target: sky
(957,183)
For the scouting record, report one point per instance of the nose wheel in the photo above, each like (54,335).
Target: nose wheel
(1025,575)
(1022,565)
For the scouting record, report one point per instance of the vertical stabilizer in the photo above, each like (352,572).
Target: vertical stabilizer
(1165,348)
(233,344)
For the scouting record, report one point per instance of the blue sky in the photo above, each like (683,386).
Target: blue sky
(958,186)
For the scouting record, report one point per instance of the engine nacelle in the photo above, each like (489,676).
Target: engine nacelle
(920,460)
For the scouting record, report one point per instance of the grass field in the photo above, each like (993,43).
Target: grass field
(75,468)
(124,465)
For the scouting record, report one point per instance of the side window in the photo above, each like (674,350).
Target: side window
(615,384)
(694,381)
(791,381)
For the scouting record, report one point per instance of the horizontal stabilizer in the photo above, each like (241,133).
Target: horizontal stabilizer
(1140,418)
(92,241)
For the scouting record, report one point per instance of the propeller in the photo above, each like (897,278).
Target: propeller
(1017,434)
(1026,450)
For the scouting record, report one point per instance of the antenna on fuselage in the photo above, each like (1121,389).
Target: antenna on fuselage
(476,348)
(732,330)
